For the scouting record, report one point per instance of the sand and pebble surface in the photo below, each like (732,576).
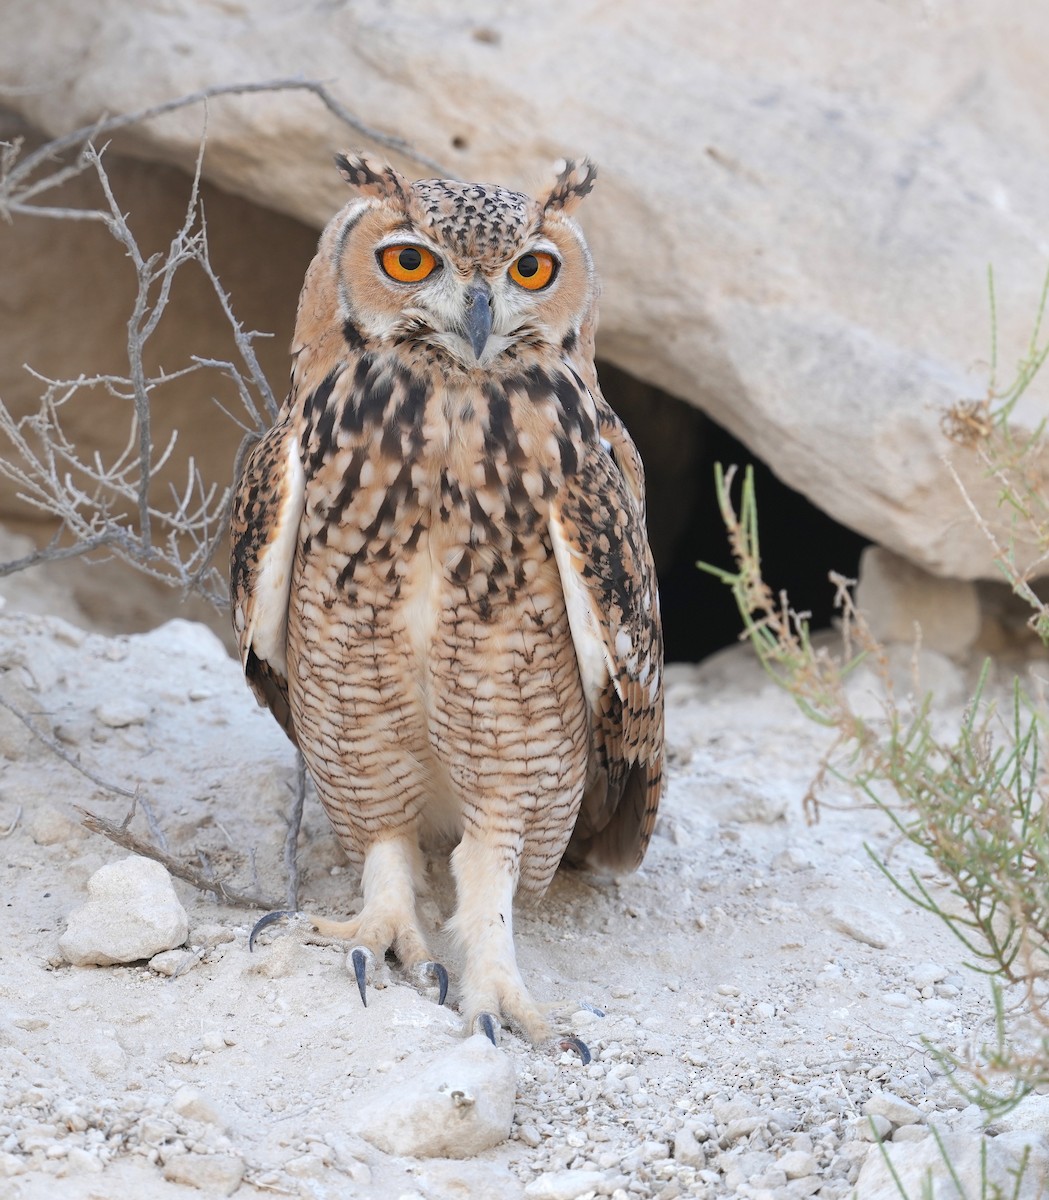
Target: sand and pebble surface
(757,998)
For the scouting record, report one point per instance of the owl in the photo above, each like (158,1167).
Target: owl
(441,582)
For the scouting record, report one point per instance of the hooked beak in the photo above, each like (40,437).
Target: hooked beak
(478,322)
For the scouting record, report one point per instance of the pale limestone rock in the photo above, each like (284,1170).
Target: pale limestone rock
(564,1185)
(215,1174)
(893,1108)
(132,913)
(790,234)
(921,1169)
(456,1106)
(895,595)
(862,925)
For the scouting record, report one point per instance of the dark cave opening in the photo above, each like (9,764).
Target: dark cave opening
(800,544)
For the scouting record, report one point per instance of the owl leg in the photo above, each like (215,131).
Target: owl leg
(388,921)
(486,872)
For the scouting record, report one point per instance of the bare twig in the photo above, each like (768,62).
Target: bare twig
(107,125)
(291,838)
(204,881)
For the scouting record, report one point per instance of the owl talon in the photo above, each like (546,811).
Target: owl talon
(579,1046)
(433,974)
(359,958)
(485,1023)
(269,919)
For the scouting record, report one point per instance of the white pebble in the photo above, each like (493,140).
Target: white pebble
(456,1106)
(119,714)
(132,913)
(894,1108)
(927,974)
(862,925)
(796,1164)
(564,1185)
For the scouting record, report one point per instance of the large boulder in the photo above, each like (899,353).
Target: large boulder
(795,212)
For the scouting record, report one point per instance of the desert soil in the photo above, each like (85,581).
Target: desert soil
(745,994)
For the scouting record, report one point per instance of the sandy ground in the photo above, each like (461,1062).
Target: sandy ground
(759,979)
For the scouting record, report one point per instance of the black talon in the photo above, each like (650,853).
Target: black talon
(487,1023)
(580,1047)
(434,971)
(360,969)
(262,922)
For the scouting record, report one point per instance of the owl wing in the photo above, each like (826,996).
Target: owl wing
(597,529)
(264,533)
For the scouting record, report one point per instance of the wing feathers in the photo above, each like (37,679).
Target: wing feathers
(267,512)
(597,531)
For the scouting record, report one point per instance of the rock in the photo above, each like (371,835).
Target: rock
(122,712)
(862,924)
(797,1164)
(564,1185)
(919,1168)
(894,595)
(132,913)
(50,826)
(216,1174)
(893,1108)
(778,274)
(188,1102)
(456,1106)
(687,1149)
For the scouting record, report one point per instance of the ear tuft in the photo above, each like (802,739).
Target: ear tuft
(574,181)
(373,178)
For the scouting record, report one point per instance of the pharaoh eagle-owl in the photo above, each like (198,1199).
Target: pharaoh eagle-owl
(441,581)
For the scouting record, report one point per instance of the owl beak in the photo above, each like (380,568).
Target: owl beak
(477,324)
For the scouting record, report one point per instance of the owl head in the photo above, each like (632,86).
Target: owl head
(475,275)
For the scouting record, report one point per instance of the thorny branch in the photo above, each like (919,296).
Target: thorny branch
(117,507)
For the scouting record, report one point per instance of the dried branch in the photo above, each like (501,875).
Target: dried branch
(202,880)
(291,838)
(13,196)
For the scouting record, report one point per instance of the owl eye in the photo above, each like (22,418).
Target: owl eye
(534,270)
(407,264)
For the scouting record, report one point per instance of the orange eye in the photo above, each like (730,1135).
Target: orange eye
(534,270)
(408,264)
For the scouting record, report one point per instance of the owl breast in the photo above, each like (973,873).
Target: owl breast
(427,610)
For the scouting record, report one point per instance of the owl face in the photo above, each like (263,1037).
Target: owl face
(481,276)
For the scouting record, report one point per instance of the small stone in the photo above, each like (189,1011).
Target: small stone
(687,1149)
(927,975)
(873,1127)
(216,1174)
(119,714)
(83,1161)
(564,1185)
(132,913)
(862,925)
(50,826)
(796,1164)
(11,1164)
(910,1133)
(456,1106)
(529,1135)
(893,1108)
(173,962)
(188,1102)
